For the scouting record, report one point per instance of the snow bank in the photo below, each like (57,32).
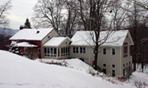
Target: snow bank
(17,71)
(74,63)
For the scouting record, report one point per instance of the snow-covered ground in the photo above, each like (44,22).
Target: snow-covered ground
(20,72)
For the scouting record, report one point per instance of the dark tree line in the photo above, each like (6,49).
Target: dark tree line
(4,21)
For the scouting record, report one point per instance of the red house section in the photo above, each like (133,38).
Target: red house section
(38,43)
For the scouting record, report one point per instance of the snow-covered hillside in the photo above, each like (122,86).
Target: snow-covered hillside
(20,72)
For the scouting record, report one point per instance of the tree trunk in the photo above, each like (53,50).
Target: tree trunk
(97,35)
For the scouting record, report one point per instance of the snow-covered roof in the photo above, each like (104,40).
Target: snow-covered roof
(56,41)
(31,34)
(25,44)
(85,38)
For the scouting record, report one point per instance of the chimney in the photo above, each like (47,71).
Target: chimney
(21,27)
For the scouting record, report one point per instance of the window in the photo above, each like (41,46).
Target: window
(93,50)
(104,51)
(104,71)
(113,51)
(55,52)
(82,50)
(65,51)
(74,50)
(39,50)
(126,64)
(123,65)
(104,65)
(129,63)
(113,72)
(113,65)
(58,52)
(45,51)
(50,52)
(77,50)
(49,37)
(123,71)
(125,49)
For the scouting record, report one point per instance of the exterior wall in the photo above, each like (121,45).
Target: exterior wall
(127,61)
(53,33)
(64,44)
(109,60)
(84,56)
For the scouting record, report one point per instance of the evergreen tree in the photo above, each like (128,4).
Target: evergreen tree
(27,24)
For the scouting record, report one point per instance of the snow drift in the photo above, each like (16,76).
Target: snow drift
(17,71)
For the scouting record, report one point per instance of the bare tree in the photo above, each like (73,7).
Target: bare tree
(143,4)
(3,12)
(59,14)
(3,23)
(48,13)
(70,20)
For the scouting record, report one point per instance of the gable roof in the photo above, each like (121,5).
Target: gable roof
(31,34)
(85,38)
(56,41)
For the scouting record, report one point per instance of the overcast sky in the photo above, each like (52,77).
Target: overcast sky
(21,9)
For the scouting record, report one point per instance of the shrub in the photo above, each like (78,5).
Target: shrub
(31,53)
(139,84)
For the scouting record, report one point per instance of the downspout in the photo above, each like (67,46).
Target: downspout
(120,60)
(57,52)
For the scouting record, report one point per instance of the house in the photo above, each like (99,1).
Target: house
(113,57)
(33,38)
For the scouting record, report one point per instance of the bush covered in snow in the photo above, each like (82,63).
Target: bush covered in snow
(14,48)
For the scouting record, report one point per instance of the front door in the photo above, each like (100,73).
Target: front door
(104,71)
(113,72)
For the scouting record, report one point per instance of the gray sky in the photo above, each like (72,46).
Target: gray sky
(21,9)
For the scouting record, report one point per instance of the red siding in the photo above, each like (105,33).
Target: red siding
(30,41)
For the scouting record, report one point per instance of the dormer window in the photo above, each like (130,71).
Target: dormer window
(49,37)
